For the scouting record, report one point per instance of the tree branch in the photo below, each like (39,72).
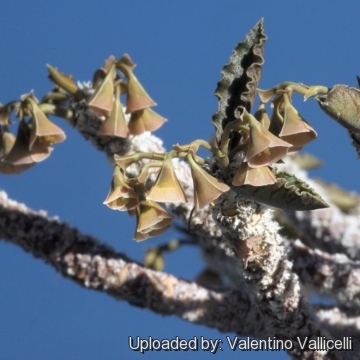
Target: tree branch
(335,275)
(96,266)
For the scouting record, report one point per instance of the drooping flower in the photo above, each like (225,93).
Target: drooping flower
(115,124)
(167,187)
(102,101)
(20,153)
(258,176)
(151,220)
(7,141)
(43,133)
(137,97)
(264,148)
(121,195)
(206,187)
(144,120)
(295,129)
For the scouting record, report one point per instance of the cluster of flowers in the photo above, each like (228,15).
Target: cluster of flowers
(132,195)
(108,82)
(262,142)
(265,141)
(35,135)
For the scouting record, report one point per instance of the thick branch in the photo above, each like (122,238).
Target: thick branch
(335,275)
(272,284)
(96,266)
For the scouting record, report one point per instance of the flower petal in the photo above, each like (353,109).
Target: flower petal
(264,147)
(115,124)
(44,133)
(167,187)
(259,176)
(206,187)
(7,140)
(102,101)
(145,120)
(137,97)
(20,153)
(149,214)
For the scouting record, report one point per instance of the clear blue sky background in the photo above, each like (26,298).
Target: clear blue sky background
(180,48)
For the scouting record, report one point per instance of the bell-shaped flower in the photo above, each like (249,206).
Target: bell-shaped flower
(151,220)
(167,187)
(7,141)
(115,124)
(121,195)
(102,101)
(264,148)
(44,133)
(20,153)
(137,97)
(258,176)
(144,120)
(206,187)
(295,129)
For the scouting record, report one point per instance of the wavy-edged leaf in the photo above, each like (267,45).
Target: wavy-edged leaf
(288,193)
(240,78)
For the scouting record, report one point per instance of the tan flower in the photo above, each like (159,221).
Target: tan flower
(206,187)
(121,195)
(152,220)
(144,120)
(167,187)
(7,141)
(115,124)
(259,176)
(295,129)
(43,133)
(137,97)
(102,101)
(264,148)
(20,153)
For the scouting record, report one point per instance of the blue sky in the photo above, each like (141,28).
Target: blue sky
(180,48)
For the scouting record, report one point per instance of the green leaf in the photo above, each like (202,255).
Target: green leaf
(288,193)
(240,78)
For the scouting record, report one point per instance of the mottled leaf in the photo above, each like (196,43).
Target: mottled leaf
(288,193)
(342,103)
(240,78)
